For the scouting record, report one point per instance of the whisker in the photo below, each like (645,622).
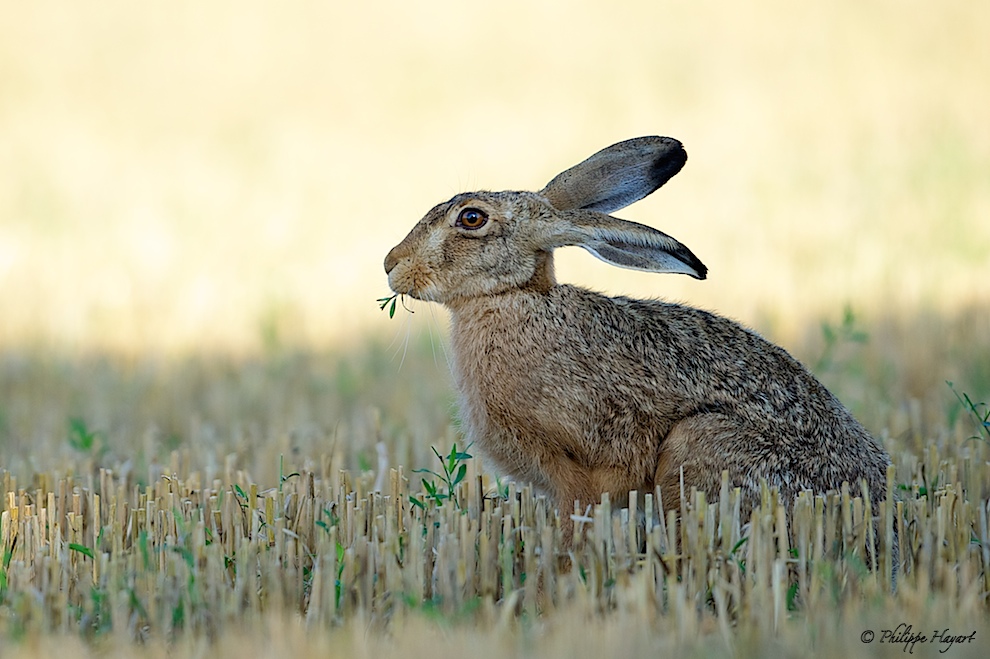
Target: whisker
(443,346)
(433,347)
(405,344)
(395,337)
(408,326)
(405,325)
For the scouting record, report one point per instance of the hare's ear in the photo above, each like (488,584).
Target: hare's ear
(623,243)
(617,175)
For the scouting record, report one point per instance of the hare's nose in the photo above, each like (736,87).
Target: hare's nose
(391,260)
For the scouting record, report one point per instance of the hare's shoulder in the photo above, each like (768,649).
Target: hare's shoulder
(663,321)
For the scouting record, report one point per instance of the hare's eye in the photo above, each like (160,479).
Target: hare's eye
(472,218)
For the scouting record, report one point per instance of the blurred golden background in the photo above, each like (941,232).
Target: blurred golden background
(181,176)
(196,198)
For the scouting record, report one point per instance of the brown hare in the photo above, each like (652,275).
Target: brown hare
(579,393)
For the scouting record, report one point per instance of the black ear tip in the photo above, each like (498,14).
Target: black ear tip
(693,262)
(668,162)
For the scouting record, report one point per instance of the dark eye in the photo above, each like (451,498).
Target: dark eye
(472,218)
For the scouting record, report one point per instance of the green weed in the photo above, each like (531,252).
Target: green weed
(453,468)
(83,439)
(390,303)
(978,412)
(835,336)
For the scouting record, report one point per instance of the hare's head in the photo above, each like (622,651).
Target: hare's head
(485,243)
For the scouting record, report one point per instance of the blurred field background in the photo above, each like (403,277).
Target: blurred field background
(185,176)
(196,199)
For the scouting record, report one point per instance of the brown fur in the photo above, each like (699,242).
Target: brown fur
(579,393)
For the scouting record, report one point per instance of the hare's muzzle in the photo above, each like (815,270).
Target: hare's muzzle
(399,278)
(391,260)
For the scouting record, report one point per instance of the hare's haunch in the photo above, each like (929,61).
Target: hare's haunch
(579,393)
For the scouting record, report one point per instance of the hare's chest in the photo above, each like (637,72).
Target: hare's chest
(522,446)
(503,370)
(515,395)
(514,421)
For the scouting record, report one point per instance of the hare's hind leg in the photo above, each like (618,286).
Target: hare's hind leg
(698,449)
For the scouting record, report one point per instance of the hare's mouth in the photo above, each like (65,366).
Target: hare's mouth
(407,282)
(428,293)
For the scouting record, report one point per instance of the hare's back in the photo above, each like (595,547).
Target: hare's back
(700,360)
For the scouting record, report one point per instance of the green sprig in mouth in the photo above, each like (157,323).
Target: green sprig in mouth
(390,302)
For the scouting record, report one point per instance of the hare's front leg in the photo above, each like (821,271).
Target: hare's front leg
(577,486)
(570,482)
(565,507)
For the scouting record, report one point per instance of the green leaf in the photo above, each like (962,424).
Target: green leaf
(82,549)
(461,473)
(81,438)
(143,547)
(384,302)
(739,544)
(792,597)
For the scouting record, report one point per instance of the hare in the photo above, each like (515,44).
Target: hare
(579,393)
